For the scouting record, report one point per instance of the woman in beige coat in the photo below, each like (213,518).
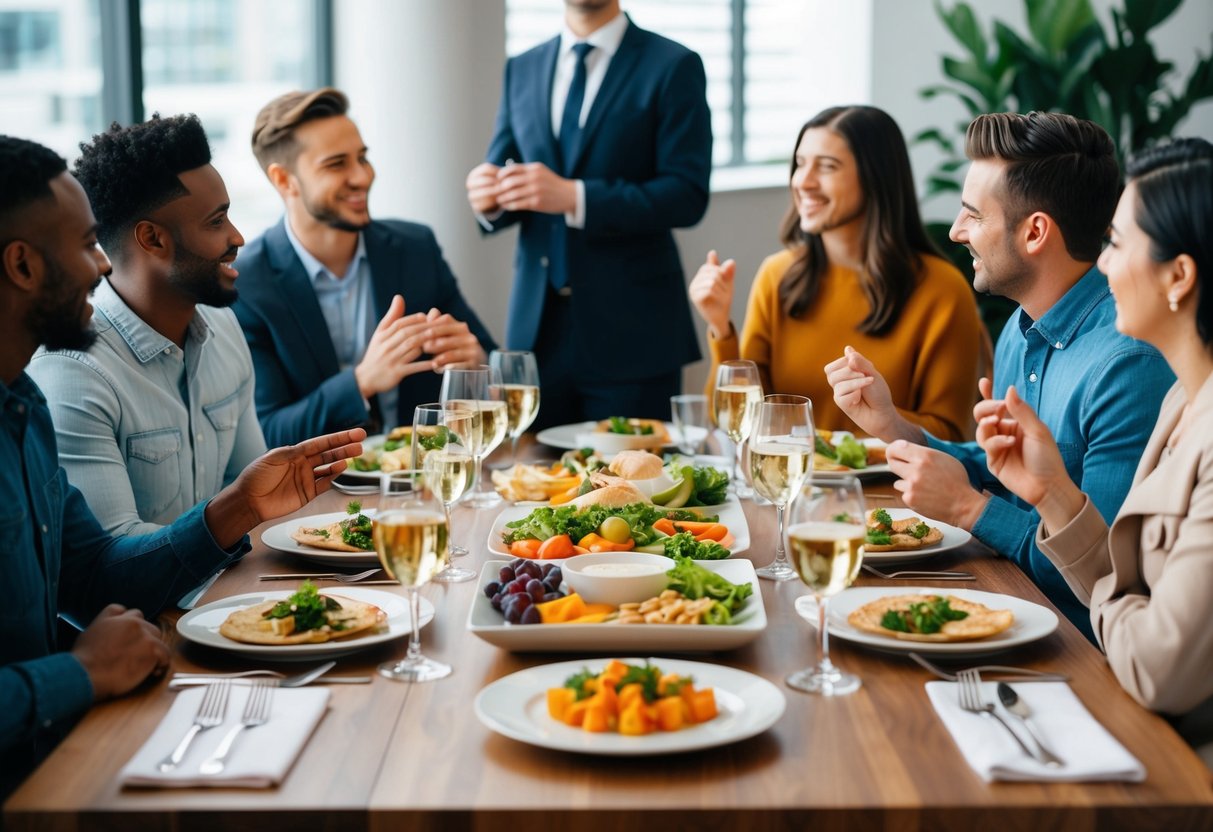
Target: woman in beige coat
(1149,579)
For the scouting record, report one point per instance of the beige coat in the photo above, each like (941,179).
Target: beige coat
(1149,580)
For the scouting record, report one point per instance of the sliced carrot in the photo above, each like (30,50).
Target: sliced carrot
(666,526)
(695,527)
(528,548)
(597,543)
(713,532)
(557,546)
(565,496)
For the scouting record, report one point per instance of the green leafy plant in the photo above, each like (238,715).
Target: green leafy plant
(1065,62)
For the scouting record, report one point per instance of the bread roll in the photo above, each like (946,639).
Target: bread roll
(636,465)
(612,496)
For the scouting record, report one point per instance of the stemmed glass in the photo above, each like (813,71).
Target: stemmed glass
(826,538)
(520,384)
(690,416)
(781,454)
(735,403)
(410,534)
(440,452)
(479,390)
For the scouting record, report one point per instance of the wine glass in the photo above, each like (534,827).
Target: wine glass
(826,538)
(781,458)
(520,383)
(690,416)
(478,389)
(441,453)
(410,534)
(734,404)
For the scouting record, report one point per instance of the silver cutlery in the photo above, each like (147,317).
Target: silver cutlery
(256,713)
(211,711)
(970,700)
(1016,706)
(354,490)
(339,577)
(182,680)
(1013,674)
(919,574)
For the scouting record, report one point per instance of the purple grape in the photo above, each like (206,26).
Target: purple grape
(516,586)
(530,569)
(496,601)
(506,574)
(556,576)
(530,616)
(553,596)
(535,589)
(492,588)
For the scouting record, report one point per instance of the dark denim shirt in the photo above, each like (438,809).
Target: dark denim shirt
(1099,393)
(55,558)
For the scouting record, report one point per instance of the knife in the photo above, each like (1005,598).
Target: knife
(1016,706)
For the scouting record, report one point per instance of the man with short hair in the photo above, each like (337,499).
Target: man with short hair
(55,556)
(158,414)
(327,268)
(1037,201)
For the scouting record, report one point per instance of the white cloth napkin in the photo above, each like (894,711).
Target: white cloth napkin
(1090,753)
(261,756)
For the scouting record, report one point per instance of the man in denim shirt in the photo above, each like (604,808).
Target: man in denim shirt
(54,555)
(1037,200)
(158,414)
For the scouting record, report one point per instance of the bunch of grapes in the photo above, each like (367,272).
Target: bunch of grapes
(522,584)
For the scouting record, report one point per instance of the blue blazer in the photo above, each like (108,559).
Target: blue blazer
(645,157)
(301,389)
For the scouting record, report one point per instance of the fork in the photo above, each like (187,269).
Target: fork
(339,577)
(918,573)
(1017,674)
(210,714)
(970,700)
(181,680)
(256,712)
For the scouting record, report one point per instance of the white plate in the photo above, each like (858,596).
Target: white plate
(863,473)
(1032,621)
(952,538)
(370,442)
(279,537)
(201,625)
(748,623)
(516,706)
(565,436)
(730,514)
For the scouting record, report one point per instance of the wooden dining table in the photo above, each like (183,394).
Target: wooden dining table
(389,755)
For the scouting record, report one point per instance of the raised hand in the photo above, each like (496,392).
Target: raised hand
(393,351)
(861,392)
(118,650)
(533,186)
(451,343)
(482,188)
(711,292)
(935,484)
(1019,448)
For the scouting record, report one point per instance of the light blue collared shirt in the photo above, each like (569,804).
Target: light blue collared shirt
(145,429)
(1099,393)
(348,305)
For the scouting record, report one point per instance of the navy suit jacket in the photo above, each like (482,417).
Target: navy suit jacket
(301,389)
(645,156)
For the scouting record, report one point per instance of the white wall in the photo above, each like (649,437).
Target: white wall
(424,77)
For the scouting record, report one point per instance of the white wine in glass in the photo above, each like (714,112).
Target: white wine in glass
(440,451)
(478,389)
(738,391)
(520,386)
(826,539)
(780,460)
(410,535)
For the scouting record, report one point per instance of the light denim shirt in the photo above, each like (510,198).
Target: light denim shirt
(145,429)
(348,305)
(1099,393)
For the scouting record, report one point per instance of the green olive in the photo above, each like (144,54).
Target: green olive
(615,529)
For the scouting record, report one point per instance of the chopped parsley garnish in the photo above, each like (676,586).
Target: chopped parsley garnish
(618,424)
(578,683)
(882,517)
(925,617)
(877,537)
(920,531)
(307,605)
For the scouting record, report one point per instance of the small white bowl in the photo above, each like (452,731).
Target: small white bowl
(620,588)
(605,442)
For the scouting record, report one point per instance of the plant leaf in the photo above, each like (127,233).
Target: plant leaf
(934,135)
(1140,16)
(1054,23)
(963,24)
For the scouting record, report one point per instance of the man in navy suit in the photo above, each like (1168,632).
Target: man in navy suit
(603,143)
(323,293)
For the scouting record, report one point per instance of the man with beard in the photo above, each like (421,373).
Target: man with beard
(54,554)
(158,414)
(328,269)
(1037,201)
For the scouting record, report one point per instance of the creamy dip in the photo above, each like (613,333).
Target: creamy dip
(620,570)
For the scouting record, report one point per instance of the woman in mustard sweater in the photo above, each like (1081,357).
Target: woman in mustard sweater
(858,270)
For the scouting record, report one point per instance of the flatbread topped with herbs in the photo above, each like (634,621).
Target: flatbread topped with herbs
(349,534)
(888,535)
(306,617)
(933,618)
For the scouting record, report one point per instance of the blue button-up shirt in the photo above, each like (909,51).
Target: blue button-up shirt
(146,429)
(55,558)
(1099,393)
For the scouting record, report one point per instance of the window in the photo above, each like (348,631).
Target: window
(63,79)
(771,64)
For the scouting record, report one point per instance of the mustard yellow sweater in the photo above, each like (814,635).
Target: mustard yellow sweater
(929,358)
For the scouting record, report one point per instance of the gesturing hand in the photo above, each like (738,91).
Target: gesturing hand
(935,484)
(711,291)
(861,392)
(118,650)
(533,186)
(451,343)
(393,350)
(482,188)
(1020,451)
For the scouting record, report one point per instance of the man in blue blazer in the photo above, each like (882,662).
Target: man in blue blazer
(323,293)
(603,143)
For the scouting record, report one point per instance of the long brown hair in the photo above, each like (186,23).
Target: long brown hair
(894,239)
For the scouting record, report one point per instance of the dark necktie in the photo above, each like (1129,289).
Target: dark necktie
(570,136)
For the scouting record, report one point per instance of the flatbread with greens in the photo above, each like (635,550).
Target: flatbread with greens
(933,618)
(306,617)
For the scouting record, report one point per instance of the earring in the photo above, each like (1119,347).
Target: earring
(1173,303)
